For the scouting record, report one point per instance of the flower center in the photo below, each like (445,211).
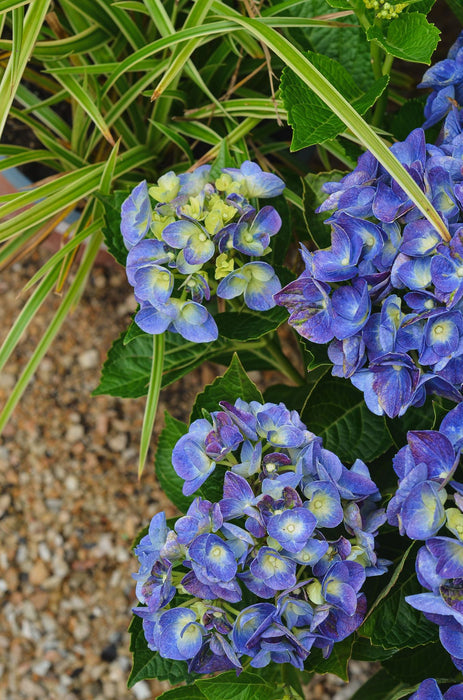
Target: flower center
(216,552)
(202,237)
(290,527)
(438,330)
(317,504)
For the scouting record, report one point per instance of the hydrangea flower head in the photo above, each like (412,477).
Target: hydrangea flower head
(387,293)
(191,237)
(268,541)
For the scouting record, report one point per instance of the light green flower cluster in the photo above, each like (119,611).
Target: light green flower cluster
(385,10)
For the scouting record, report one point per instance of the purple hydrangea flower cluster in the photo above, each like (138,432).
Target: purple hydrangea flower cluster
(446,80)
(267,572)
(200,238)
(426,466)
(429,690)
(387,294)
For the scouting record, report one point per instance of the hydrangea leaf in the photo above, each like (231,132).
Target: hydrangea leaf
(337,661)
(408,117)
(169,480)
(127,368)
(234,384)
(312,121)
(410,37)
(148,664)
(229,686)
(364,650)
(189,692)
(250,326)
(312,197)
(112,230)
(337,412)
(421,418)
(407,666)
(457,9)
(347,45)
(391,622)
(132,332)
(382,686)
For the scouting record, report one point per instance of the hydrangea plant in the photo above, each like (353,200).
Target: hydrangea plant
(308,534)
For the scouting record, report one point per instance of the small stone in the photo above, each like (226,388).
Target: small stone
(118,443)
(38,573)
(141,690)
(75,432)
(41,667)
(109,653)
(71,483)
(89,359)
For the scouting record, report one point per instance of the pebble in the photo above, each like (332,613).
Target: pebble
(74,433)
(38,573)
(89,359)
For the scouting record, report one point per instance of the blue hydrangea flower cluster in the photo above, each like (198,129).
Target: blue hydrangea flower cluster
(387,294)
(200,237)
(426,467)
(266,571)
(446,80)
(429,690)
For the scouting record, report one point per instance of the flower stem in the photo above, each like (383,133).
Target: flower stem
(281,362)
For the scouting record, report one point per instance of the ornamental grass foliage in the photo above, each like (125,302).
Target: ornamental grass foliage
(323,520)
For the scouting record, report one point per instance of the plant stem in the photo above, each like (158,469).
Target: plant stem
(281,362)
(381,104)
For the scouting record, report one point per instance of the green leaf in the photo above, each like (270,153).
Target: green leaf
(189,692)
(421,418)
(337,412)
(337,661)
(132,332)
(382,686)
(292,396)
(250,326)
(410,37)
(364,650)
(312,121)
(408,117)
(112,229)
(347,45)
(127,369)
(313,196)
(170,482)
(407,666)
(393,623)
(457,8)
(229,686)
(151,405)
(148,664)
(234,384)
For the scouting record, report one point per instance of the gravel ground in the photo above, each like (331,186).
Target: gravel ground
(71,504)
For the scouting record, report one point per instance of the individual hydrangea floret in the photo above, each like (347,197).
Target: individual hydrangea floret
(267,572)
(429,690)
(446,80)
(191,238)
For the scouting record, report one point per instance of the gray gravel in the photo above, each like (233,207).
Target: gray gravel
(71,504)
